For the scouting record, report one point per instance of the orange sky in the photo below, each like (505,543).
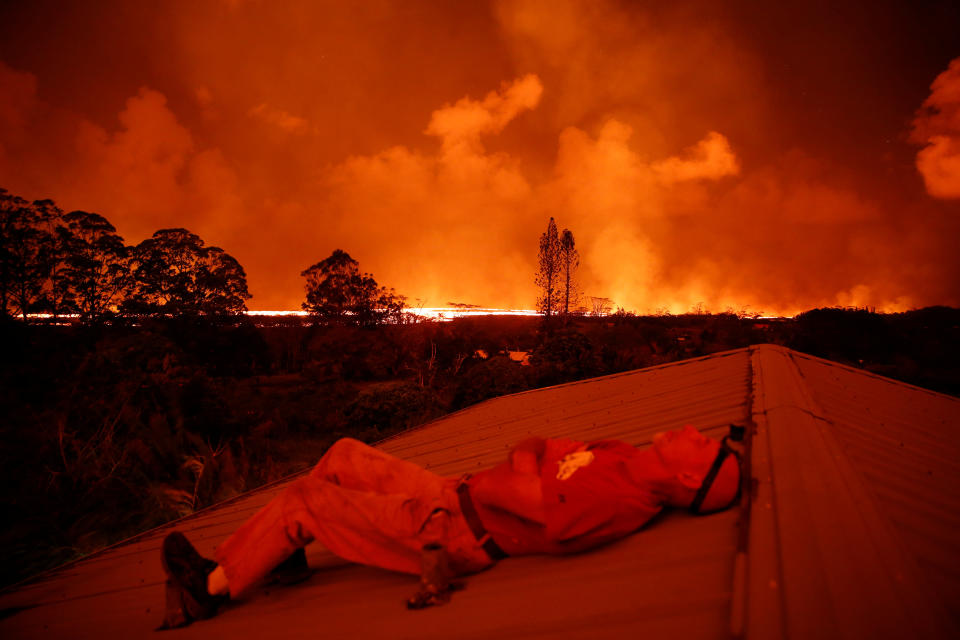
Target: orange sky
(732,154)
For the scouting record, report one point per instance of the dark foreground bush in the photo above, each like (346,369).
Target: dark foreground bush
(564,357)
(490,378)
(382,409)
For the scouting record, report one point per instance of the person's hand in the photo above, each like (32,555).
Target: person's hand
(436,585)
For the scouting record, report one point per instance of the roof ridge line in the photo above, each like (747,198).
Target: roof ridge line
(762,608)
(826,530)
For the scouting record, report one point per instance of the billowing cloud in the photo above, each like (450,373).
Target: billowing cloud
(458,206)
(144,173)
(137,168)
(462,123)
(280,118)
(939,163)
(710,159)
(696,157)
(478,210)
(937,126)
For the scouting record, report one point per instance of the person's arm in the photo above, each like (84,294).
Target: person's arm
(514,486)
(511,491)
(526,456)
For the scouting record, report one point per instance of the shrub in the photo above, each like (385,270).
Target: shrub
(490,378)
(564,357)
(382,409)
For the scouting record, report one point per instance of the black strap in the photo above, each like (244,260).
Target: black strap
(476,525)
(708,480)
(737,434)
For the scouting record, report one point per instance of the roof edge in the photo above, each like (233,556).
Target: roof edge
(813,512)
(870,374)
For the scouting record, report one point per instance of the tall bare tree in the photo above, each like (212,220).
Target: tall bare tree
(569,261)
(548,273)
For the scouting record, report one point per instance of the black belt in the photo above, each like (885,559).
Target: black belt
(476,526)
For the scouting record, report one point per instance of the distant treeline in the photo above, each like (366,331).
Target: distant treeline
(76,264)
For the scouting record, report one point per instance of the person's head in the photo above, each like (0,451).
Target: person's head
(687,455)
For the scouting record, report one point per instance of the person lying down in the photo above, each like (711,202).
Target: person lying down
(550,496)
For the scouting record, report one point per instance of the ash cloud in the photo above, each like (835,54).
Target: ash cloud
(280,119)
(937,127)
(449,224)
(434,145)
(480,209)
(145,172)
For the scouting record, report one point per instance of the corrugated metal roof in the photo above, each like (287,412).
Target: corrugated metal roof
(845,502)
(903,442)
(839,541)
(708,392)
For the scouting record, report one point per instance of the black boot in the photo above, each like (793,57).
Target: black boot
(186,588)
(292,570)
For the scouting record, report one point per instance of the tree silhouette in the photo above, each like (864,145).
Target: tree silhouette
(57,297)
(174,274)
(222,282)
(26,250)
(96,264)
(11,215)
(600,306)
(548,273)
(337,292)
(569,261)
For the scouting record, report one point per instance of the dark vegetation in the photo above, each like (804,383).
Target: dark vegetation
(157,397)
(111,430)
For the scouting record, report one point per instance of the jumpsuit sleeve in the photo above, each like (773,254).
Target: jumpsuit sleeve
(527,456)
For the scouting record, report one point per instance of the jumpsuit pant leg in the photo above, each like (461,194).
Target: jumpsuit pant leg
(362,505)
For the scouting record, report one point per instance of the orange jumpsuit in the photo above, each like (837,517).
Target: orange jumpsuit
(591,494)
(369,507)
(363,505)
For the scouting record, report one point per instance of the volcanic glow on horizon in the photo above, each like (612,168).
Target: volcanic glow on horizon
(430,313)
(768,157)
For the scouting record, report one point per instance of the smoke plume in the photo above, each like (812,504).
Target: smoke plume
(937,126)
(698,160)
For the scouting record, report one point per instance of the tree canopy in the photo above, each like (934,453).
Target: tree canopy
(175,274)
(26,252)
(96,264)
(338,292)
